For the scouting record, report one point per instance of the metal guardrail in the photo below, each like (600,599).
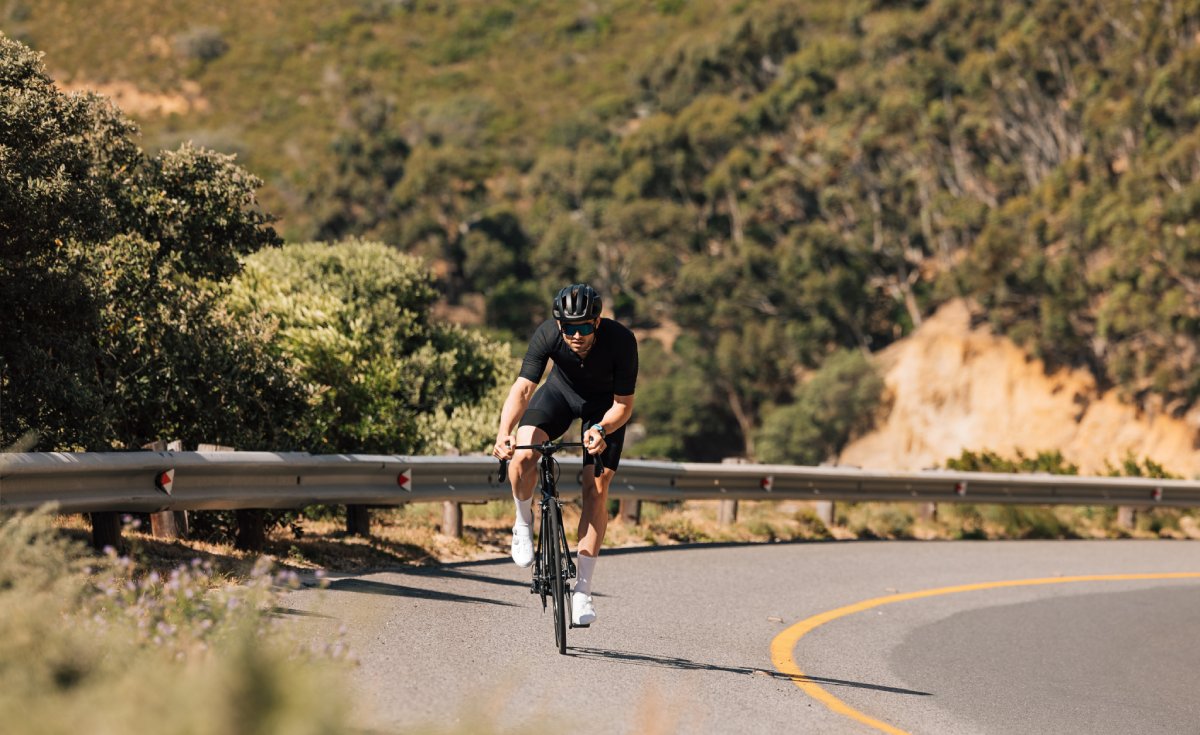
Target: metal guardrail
(157,481)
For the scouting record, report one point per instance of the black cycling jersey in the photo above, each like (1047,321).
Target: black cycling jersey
(610,367)
(580,388)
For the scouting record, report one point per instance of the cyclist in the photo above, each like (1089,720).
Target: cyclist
(595,370)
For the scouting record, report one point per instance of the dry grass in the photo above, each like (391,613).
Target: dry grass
(411,535)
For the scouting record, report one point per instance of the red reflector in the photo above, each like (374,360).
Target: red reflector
(165,480)
(404,480)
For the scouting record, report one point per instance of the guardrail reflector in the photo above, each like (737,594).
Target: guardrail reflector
(960,489)
(165,480)
(1156,494)
(767,483)
(404,480)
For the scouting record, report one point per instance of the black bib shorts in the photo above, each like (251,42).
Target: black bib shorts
(553,408)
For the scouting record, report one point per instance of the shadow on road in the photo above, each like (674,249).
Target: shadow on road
(283,612)
(448,572)
(673,662)
(397,590)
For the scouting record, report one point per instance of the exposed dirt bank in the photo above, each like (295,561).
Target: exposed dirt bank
(954,388)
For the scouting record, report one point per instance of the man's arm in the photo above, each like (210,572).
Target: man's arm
(514,407)
(614,418)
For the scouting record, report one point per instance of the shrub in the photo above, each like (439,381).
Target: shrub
(878,520)
(811,525)
(203,44)
(837,404)
(94,640)
(1023,521)
(677,528)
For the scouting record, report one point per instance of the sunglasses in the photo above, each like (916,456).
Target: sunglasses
(583,330)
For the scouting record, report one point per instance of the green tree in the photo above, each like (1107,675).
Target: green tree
(108,264)
(173,361)
(683,415)
(838,403)
(369,156)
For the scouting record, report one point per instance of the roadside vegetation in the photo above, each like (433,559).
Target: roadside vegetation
(148,297)
(102,644)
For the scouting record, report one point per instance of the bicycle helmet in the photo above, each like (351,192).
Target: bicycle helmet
(576,302)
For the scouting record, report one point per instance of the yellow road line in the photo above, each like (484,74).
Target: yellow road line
(784,643)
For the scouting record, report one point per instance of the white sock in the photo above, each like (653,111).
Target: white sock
(586,566)
(524,512)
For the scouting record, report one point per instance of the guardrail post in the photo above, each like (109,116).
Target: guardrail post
(826,512)
(1126,517)
(251,526)
(358,520)
(927,511)
(167,523)
(251,532)
(162,525)
(631,510)
(452,524)
(727,513)
(106,530)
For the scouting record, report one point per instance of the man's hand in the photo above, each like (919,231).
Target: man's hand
(504,447)
(594,441)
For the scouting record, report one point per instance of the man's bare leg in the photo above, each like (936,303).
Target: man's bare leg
(522,474)
(593,522)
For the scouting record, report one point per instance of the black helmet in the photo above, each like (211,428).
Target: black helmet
(575,302)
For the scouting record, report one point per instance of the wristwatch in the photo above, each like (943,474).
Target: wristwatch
(600,429)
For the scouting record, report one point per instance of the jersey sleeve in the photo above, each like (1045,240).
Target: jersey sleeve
(626,369)
(538,354)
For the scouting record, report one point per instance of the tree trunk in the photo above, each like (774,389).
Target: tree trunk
(744,419)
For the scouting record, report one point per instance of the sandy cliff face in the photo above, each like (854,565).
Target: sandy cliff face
(955,388)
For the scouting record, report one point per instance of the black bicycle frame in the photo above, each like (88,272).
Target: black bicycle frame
(543,578)
(548,484)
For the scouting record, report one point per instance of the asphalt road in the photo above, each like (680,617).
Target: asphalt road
(684,637)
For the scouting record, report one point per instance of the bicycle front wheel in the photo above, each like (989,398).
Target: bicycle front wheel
(556,573)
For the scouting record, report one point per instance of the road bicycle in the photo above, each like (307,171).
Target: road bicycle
(552,565)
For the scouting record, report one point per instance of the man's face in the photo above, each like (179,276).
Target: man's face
(573,333)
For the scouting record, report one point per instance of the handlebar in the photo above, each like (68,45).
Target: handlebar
(548,448)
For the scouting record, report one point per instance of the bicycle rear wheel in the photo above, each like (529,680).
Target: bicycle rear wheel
(557,584)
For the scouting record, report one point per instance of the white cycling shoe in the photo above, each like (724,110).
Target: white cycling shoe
(522,546)
(583,612)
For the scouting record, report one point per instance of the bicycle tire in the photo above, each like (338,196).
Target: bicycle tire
(541,571)
(557,591)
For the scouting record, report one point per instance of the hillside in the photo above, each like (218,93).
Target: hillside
(279,81)
(953,387)
(780,182)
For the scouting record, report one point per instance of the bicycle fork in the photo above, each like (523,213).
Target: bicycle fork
(541,576)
